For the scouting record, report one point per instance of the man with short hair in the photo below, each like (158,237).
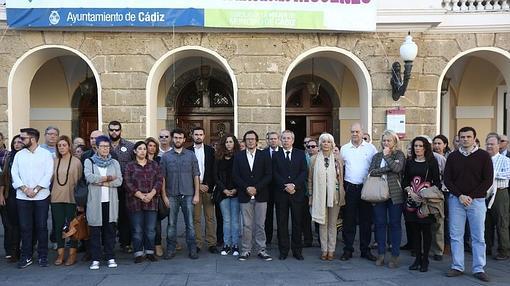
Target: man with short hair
(311,148)
(357,156)
(273,147)
(50,140)
(468,175)
(252,173)
(123,149)
(93,147)
(164,142)
(78,141)
(503,145)
(205,158)
(499,202)
(181,174)
(31,172)
(289,179)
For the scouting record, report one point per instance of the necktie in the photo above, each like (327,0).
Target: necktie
(287,155)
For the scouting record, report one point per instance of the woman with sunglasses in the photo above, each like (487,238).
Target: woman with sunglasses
(421,171)
(389,162)
(326,192)
(9,209)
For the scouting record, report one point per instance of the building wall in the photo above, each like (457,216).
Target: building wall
(259,61)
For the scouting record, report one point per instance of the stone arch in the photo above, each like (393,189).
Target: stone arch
(21,75)
(497,57)
(351,62)
(164,63)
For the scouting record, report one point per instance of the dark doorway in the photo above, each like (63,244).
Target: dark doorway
(297,124)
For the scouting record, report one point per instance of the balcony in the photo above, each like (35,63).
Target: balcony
(473,6)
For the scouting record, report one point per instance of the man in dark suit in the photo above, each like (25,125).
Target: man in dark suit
(273,146)
(205,157)
(289,175)
(251,175)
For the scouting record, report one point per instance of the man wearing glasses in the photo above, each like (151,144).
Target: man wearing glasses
(311,148)
(252,173)
(124,150)
(357,156)
(31,172)
(503,146)
(164,142)
(50,140)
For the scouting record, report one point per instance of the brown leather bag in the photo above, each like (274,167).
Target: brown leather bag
(78,228)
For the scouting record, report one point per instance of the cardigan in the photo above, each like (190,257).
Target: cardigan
(395,163)
(94,207)
(65,193)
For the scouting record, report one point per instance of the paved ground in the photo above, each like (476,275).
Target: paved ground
(212,269)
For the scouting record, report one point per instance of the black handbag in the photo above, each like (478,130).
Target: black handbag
(163,211)
(81,191)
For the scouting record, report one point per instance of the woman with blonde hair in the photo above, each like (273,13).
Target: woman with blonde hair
(389,162)
(326,193)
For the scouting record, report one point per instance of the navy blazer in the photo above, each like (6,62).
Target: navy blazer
(294,172)
(259,177)
(209,178)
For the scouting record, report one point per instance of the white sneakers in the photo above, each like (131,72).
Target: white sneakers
(112,263)
(95,264)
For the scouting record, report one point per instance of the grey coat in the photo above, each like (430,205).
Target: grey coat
(395,163)
(94,209)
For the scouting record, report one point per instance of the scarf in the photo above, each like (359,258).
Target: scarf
(324,187)
(100,161)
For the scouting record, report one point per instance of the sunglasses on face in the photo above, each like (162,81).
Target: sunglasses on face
(164,136)
(114,129)
(311,146)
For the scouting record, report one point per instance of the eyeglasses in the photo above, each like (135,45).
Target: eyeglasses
(104,146)
(114,129)
(326,162)
(164,136)
(311,146)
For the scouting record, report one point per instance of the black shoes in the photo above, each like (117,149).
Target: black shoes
(151,257)
(437,257)
(482,276)
(169,255)
(43,262)
(193,255)
(212,249)
(24,263)
(264,255)
(416,264)
(298,256)
(424,267)
(346,256)
(139,259)
(368,255)
(282,256)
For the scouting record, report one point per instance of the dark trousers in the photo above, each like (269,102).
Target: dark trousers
(62,213)
(421,238)
(104,234)
(219,224)
(157,238)
(356,210)
(33,214)
(268,225)
(124,224)
(283,205)
(307,223)
(10,221)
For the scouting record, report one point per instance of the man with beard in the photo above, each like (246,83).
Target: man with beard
(179,168)
(31,172)
(123,150)
(205,158)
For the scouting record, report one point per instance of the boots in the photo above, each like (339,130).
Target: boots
(380,260)
(417,262)
(60,257)
(393,262)
(159,250)
(71,259)
(424,266)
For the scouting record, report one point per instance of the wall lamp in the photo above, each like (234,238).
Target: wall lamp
(408,52)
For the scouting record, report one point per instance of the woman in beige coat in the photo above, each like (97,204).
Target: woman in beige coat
(326,193)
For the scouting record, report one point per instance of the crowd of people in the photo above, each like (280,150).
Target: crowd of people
(452,199)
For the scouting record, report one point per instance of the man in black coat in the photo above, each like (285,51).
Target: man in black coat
(289,177)
(251,175)
(273,146)
(205,157)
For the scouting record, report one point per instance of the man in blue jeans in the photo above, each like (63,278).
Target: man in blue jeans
(468,175)
(179,168)
(31,172)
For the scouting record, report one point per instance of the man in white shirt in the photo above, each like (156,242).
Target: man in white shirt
(164,142)
(205,157)
(357,155)
(31,171)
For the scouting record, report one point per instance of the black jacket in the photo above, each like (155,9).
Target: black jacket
(259,177)
(209,179)
(285,172)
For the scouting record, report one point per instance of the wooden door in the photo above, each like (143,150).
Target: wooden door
(88,121)
(215,126)
(316,125)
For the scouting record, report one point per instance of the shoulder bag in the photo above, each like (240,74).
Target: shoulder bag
(375,189)
(81,191)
